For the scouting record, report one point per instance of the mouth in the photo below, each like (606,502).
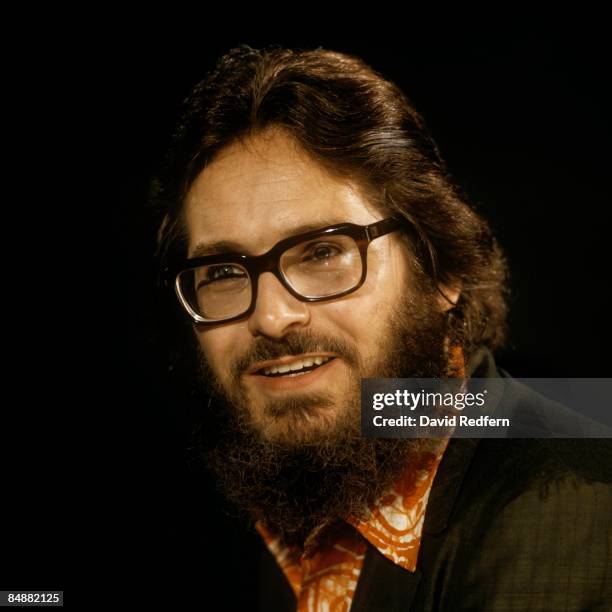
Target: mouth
(291,367)
(294,373)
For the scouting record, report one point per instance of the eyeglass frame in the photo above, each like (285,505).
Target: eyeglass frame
(255,265)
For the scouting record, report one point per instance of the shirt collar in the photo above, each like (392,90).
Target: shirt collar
(396,522)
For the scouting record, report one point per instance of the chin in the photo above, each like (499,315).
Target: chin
(299,426)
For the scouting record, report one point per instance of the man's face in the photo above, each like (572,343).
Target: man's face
(252,197)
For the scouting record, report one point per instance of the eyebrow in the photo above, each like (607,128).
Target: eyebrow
(229,246)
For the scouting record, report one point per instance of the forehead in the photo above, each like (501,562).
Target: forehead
(259,191)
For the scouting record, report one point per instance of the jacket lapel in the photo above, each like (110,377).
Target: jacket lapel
(458,455)
(383,585)
(447,483)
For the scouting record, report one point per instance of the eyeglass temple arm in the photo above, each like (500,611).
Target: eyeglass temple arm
(380,228)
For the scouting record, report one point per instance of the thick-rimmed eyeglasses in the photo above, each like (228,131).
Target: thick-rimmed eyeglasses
(320,265)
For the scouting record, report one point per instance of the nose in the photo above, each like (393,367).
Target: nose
(277,312)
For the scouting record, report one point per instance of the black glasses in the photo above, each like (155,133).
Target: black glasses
(324,264)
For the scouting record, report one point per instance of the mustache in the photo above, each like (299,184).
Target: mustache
(294,343)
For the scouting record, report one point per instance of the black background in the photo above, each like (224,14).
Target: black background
(103,500)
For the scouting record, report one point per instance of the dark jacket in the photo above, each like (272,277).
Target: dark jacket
(511,524)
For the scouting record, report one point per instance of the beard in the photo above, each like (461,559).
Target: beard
(304,478)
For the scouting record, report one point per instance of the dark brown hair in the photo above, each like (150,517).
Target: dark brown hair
(358,125)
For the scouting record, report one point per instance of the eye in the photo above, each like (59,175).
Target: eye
(221,273)
(322,252)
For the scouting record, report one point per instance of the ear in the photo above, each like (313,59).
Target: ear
(452,293)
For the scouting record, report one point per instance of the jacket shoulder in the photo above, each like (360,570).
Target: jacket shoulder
(540,537)
(531,529)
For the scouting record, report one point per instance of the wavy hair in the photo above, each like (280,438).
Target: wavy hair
(359,125)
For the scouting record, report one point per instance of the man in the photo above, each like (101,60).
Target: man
(313,238)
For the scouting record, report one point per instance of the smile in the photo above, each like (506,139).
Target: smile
(298,367)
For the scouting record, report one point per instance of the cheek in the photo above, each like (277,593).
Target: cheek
(359,318)
(216,345)
(363,316)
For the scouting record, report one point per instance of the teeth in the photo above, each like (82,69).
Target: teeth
(295,366)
